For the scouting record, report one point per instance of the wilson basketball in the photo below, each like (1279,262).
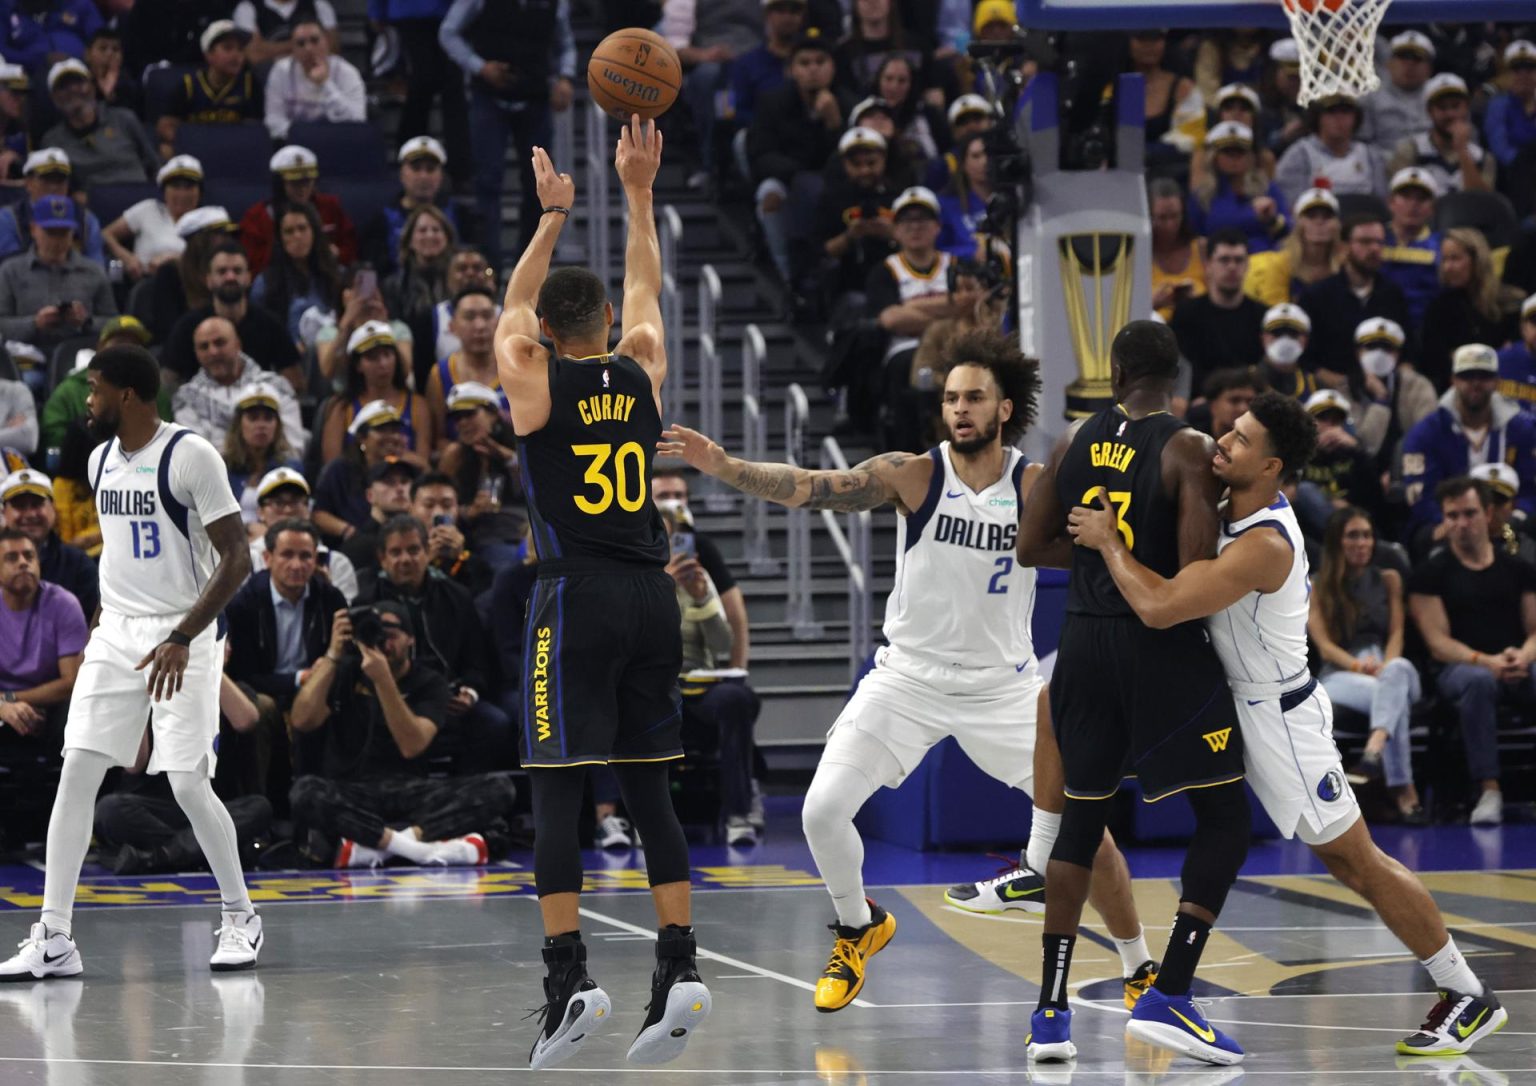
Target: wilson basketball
(634,71)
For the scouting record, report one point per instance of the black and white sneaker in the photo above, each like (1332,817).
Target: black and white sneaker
(679,1000)
(575,1007)
(1015,887)
(1455,1024)
(42,955)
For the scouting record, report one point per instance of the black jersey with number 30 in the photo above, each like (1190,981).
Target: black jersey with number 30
(1125,457)
(587,473)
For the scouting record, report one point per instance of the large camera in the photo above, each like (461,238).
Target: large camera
(367,627)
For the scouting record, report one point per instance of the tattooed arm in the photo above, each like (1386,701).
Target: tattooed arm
(897,477)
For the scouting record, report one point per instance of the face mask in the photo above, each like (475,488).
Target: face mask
(1284,351)
(1378,363)
(677,510)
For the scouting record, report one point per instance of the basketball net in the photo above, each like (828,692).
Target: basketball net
(1336,41)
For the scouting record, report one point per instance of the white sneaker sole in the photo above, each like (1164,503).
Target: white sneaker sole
(996,907)
(1452,1047)
(69,966)
(1176,1040)
(688,1005)
(236,965)
(1059,1052)
(586,1014)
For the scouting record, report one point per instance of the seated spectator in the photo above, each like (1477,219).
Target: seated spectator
(669,490)
(1227,57)
(1510,124)
(1341,474)
(1332,152)
(1239,104)
(875,31)
(963,206)
(854,230)
(467,267)
(920,126)
(1448,151)
(1175,108)
(1308,255)
(1476,609)
(1394,395)
(51,293)
(42,640)
(310,84)
(1356,627)
(482,463)
(1222,327)
(1471,307)
(388,495)
(66,406)
(226,284)
(273,24)
(18,417)
(1284,120)
(1517,362)
(1224,398)
(968,115)
(435,503)
(27,496)
(44,33)
(1508,526)
(1237,195)
(152,225)
(206,404)
(422,161)
(182,284)
(708,38)
(795,130)
(114,86)
(1178,270)
(224,91)
(1339,303)
(168,30)
(1285,331)
(105,144)
(302,274)
(341,506)
(876,115)
(474,324)
(15,119)
(376,373)
(421,281)
(1395,111)
(283,494)
(448,637)
(295,174)
(360,302)
(380,710)
(1412,256)
(255,446)
(1473,425)
(45,173)
(762,69)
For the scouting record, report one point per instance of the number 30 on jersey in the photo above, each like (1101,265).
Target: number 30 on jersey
(626,485)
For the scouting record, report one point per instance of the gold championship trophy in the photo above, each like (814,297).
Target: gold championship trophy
(1096,280)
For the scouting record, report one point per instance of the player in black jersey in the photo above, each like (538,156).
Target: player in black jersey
(604,641)
(1128,700)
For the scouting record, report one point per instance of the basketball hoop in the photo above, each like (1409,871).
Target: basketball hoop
(1336,41)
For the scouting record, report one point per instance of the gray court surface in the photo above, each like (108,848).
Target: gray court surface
(433,989)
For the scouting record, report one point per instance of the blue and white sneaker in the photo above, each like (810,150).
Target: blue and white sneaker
(1173,1022)
(1050,1035)
(1455,1024)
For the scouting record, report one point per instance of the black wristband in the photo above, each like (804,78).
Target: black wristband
(562,210)
(176,637)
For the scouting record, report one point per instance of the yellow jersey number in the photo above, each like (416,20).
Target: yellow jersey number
(618,488)
(1121,499)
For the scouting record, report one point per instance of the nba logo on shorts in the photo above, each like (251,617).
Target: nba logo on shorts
(1331,787)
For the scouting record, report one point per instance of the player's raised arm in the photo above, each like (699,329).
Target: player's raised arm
(637,159)
(517,332)
(897,477)
(1259,561)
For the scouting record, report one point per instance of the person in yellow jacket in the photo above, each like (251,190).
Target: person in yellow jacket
(1312,252)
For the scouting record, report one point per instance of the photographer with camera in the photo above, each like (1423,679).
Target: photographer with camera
(379,713)
(435,502)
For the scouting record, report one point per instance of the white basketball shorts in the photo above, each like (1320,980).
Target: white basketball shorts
(111,700)
(1293,764)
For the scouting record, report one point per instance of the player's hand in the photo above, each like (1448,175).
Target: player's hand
(170,665)
(20,716)
(638,155)
(375,665)
(554,189)
(341,633)
(699,451)
(1094,528)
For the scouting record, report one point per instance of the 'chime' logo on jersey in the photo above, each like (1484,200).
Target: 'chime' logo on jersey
(125,503)
(974,534)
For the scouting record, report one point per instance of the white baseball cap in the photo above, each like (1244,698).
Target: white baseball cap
(180,166)
(1446,83)
(470,394)
(1229,134)
(873,102)
(13,76)
(916,196)
(374,413)
(1380,330)
(1327,399)
(211,217)
(221,28)
(1412,177)
(66,68)
(1499,476)
(26,481)
(1238,90)
(370,334)
(1287,317)
(1285,51)
(1314,198)
(1519,50)
(1474,358)
(969,103)
(1411,41)
(47,160)
(860,137)
(294,162)
(1528,309)
(280,477)
(423,147)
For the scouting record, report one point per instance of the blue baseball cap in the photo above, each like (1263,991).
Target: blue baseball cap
(54,212)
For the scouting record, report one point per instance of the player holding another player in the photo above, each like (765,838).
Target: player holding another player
(604,641)
(960,660)
(173,554)
(1254,599)
(1128,700)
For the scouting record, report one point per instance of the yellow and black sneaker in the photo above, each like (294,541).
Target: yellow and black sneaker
(844,976)
(1137,983)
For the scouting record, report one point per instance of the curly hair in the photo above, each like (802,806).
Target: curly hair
(1292,430)
(1018,377)
(572,300)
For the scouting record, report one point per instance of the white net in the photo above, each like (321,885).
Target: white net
(1336,40)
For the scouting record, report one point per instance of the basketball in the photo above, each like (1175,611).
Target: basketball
(634,71)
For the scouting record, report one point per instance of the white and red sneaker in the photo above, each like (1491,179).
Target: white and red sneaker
(466,851)
(352,854)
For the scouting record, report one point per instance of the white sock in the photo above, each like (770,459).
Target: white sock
(1450,970)
(215,833)
(1043,828)
(858,765)
(406,845)
(1133,952)
(69,834)
(363,856)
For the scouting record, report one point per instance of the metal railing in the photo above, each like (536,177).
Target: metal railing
(754,440)
(853,547)
(669,235)
(599,195)
(711,394)
(800,608)
(563,152)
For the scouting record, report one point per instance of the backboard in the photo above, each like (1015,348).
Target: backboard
(1208,14)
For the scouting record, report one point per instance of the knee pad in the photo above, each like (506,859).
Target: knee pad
(1082,831)
(1223,828)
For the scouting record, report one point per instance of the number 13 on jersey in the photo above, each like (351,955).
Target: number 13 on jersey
(1121,500)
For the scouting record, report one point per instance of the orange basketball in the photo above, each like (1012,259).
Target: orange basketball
(634,71)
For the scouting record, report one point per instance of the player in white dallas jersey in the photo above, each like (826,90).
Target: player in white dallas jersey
(960,660)
(173,553)
(1254,597)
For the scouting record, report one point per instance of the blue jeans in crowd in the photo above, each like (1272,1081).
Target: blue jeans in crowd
(494,122)
(1476,692)
(1388,698)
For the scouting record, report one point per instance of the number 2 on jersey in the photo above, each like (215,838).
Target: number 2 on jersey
(617,487)
(146,539)
(996,587)
(1121,500)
